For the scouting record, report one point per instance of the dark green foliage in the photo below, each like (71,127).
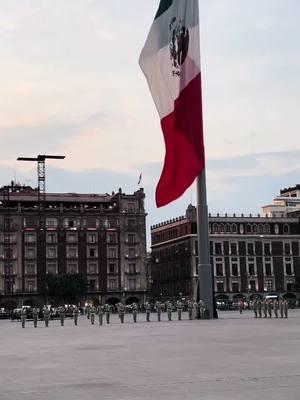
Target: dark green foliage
(67,287)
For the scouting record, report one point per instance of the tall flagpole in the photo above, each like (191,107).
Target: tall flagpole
(204,266)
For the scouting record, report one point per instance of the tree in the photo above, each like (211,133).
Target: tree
(66,287)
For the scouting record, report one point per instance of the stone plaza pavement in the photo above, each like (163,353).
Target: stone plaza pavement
(234,357)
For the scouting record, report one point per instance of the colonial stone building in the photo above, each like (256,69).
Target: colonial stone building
(102,236)
(250,256)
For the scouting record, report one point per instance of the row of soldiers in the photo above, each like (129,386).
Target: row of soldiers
(195,310)
(267,307)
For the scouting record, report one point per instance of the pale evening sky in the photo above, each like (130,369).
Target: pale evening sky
(71,84)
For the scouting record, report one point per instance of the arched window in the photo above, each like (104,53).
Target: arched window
(248,228)
(267,229)
(260,228)
(221,228)
(254,228)
(215,228)
(227,228)
(286,229)
(234,228)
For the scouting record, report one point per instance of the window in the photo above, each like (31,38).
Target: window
(219,267)
(252,285)
(30,285)
(131,207)
(8,253)
(112,284)
(248,228)
(29,269)
(92,237)
(51,237)
(227,228)
(220,286)
(51,223)
(218,248)
(132,253)
(287,248)
(71,237)
(268,266)
(112,238)
(132,284)
(251,266)
(29,237)
(92,268)
(250,248)
(112,252)
(221,227)
(51,268)
(92,252)
(269,285)
(234,266)
(286,229)
(289,285)
(51,252)
(29,252)
(72,268)
(131,225)
(112,268)
(131,268)
(71,223)
(267,249)
(267,229)
(235,287)
(8,269)
(288,266)
(234,228)
(215,228)
(233,248)
(131,238)
(92,284)
(72,252)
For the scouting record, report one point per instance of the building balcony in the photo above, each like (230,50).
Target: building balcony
(132,256)
(72,256)
(113,273)
(8,258)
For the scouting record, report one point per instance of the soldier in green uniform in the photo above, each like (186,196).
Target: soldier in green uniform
(254,306)
(195,310)
(148,311)
(62,315)
(265,307)
(190,309)
(107,312)
(23,317)
(285,308)
(134,311)
(276,307)
(158,310)
(179,309)
(269,303)
(121,310)
(75,315)
(88,311)
(92,313)
(259,308)
(169,310)
(281,308)
(35,314)
(46,313)
(100,311)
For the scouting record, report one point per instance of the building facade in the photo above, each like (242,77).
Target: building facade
(102,236)
(251,256)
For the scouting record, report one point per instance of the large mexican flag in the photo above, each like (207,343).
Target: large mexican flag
(170,61)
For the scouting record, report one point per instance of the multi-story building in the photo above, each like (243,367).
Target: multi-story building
(102,236)
(250,256)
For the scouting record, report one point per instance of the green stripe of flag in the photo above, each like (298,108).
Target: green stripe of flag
(163,6)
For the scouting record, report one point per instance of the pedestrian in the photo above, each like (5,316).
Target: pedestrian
(75,315)
(275,307)
(285,308)
(158,310)
(88,311)
(62,315)
(134,311)
(265,308)
(108,309)
(254,306)
(148,311)
(92,314)
(121,311)
(281,308)
(259,308)
(23,317)
(35,314)
(195,310)
(46,313)
(241,306)
(100,311)
(179,309)
(169,310)
(270,308)
(190,309)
